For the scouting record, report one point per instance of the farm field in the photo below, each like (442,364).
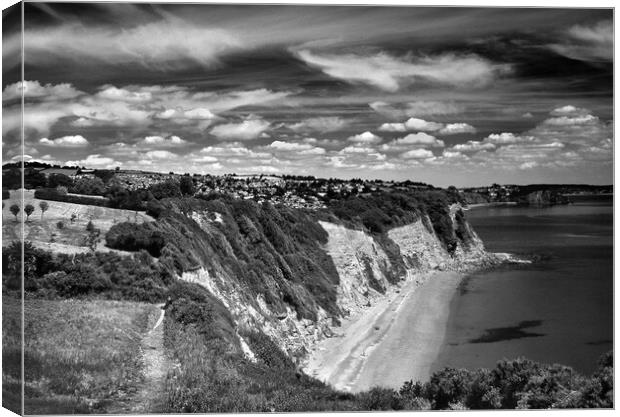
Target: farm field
(80,356)
(45,232)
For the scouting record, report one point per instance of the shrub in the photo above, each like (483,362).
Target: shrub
(55,195)
(60,225)
(14,210)
(28,209)
(5,194)
(90,186)
(166,189)
(135,237)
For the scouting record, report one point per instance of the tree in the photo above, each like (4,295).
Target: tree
(166,189)
(15,210)
(90,186)
(43,206)
(54,180)
(28,210)
(186,185)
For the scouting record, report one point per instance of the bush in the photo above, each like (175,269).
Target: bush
(53,195)
(5,194)
(60,225)
(90,186)
(166,189)
(135,237)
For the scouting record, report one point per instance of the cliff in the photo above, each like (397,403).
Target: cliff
(293,275)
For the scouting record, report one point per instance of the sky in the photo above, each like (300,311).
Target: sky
(443,95)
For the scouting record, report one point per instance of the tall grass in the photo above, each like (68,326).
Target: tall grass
(81,356)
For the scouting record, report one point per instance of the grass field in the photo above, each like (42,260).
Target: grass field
(80,356)
(41,228)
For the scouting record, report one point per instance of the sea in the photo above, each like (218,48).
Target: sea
(558,309)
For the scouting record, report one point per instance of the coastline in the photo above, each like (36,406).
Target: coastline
(396,340)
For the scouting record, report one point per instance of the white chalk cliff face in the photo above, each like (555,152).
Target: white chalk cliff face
(361,263)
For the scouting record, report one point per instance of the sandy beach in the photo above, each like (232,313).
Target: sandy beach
(393,341)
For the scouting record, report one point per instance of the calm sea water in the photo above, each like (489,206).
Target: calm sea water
(558,310)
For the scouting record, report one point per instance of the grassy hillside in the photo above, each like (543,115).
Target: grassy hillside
(81,356)
(43,230)
(83,351)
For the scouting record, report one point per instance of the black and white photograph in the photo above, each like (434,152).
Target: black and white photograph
(250,208)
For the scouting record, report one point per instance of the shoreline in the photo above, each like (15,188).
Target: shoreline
(395,340)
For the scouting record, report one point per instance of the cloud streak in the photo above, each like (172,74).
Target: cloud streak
(390,73)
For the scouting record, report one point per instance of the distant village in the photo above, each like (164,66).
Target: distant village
(304,192)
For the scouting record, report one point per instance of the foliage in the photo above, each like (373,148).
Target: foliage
(55,180)
(186,185)
(90,186)
(135,237)
(5,194)
(166,189)
(14,210)
(28,209)
(52,194)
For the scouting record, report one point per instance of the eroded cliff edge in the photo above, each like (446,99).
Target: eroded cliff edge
(294,275)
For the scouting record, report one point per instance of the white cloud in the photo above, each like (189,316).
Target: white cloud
(162,141)
(588,43)
(422,125)
(417,154)
(159,154)
(245,130)
(366,137)
(413,139)
(454,128)
(167,43)
(389,73)
(65,141)
(319,124)
(392,127)
(95,161)
(110,92)
(569,121)
(303,148)
(472,146)
(506,138)
(415,109)
(32,89)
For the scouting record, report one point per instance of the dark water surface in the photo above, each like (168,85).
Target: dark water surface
(558,310)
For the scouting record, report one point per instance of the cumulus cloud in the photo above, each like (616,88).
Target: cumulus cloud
(506,138)
(366,137)
(419,139)
(392,127)
(417,154)
(302,148)
(319,124)
(415,109)
(160,154)
(34,89)
(472,146)
(65,141)
(162,141)
(420,125)
(455,128)
(246,130)
(390,73)
(95,161)
(588,43)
